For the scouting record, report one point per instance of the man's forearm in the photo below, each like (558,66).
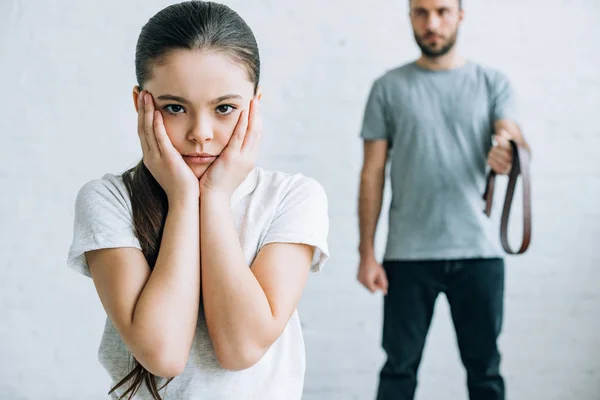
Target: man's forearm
(514,132)
(369,208)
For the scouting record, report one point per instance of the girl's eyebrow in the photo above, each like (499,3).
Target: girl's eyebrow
(226,97)
(173,98)
(184,101)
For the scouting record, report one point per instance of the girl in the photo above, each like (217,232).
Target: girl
(198,257)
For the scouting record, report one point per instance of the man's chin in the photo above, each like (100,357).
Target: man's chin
(433,50)
(437,50)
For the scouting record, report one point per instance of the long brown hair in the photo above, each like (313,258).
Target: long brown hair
(192,25)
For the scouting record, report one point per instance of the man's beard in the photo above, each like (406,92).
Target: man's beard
(434,53)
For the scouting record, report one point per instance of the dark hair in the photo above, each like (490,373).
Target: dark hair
(459,4)
(192,25)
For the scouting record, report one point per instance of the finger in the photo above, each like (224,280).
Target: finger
(381,283)
(504,134)
(502,148)
(369,283)
(384,282)
(254,127)
(500,167)
(496,165)
(256,136)
(502,142)
(492,163)
(237,138)
(149,123)
(140,129)
(252,113)
(160,132)
(501,158)
(372,286)
(501,154)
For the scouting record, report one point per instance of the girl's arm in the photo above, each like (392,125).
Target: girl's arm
(246,308)
(155,313)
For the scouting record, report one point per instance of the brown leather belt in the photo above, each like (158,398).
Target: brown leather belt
(520,166)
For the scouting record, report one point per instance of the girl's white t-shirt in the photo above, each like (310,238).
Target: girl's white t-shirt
(267,207)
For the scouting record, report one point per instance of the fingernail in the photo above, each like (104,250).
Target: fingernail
(146,99)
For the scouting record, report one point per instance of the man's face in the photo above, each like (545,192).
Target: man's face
(435,25)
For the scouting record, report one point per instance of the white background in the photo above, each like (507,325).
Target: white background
(66,116)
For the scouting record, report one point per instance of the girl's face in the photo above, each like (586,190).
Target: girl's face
(200,95)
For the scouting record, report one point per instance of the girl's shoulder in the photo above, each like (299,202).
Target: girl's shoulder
(110,188)
(107,195)
(292,208)
(278,185)
(102,219)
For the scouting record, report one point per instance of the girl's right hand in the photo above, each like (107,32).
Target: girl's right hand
(160,156)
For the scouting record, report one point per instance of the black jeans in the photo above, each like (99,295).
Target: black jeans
(475,292)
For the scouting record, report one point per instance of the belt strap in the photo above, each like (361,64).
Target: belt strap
(520,166)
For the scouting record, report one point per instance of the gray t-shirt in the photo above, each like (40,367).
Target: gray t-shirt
(267,207)
(439,127)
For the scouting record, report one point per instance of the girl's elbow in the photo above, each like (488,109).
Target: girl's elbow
(240,358)
(166,362)
(169,367)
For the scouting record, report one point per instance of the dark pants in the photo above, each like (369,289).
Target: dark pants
(475,293)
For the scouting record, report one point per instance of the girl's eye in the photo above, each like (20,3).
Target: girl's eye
(225,109)
(174,109)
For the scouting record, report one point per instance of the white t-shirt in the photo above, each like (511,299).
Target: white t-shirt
(267,207)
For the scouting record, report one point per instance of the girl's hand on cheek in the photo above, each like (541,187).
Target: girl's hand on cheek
(237,159)
(160,156)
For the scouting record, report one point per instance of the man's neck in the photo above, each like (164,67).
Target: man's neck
(450,60)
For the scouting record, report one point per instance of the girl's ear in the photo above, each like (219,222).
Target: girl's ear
(136,94)
(259,93)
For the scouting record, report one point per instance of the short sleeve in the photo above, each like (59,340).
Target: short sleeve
(102,220)
(374,125)
(302,217)
(504,102)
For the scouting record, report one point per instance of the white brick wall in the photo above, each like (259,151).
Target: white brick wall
(66,116)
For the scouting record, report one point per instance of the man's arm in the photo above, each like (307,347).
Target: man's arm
(513,130)
(372,181)
(504,115)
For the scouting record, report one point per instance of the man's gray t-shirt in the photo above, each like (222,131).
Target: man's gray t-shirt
(439,127)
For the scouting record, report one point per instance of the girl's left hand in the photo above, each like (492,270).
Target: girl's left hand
(237,159)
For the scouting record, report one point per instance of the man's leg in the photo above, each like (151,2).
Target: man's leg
(476,296)
(407,312)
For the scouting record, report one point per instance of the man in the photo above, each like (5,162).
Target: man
(435,120)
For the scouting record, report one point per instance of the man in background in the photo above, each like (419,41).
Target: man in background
(435,120)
